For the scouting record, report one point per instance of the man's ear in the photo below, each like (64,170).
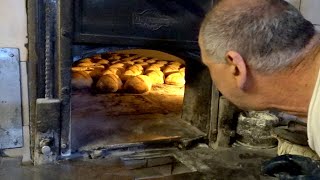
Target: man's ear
(238,68)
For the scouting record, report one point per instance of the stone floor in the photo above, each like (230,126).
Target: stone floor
(198,163)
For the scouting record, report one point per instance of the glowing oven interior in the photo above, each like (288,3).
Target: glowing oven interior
(127,97)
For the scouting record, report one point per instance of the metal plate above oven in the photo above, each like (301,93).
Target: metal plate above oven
(10,99)
(140,22)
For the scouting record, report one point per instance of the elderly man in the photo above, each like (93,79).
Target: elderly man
(262,54)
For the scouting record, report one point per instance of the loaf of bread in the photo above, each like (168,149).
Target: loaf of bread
(128,63)
(143,64)
(138,84)
(162,62)
(82,69)
(175,63)
(96,74)
(130,73)
(115,71)
(119,66)
(97,56)
(175,79)
(170,69)
(139,60)
(152,67)
(85,64)
(103,62)
(85,60)
(81,80)
(136,67)
(151,61)
(109,83)
(157,77)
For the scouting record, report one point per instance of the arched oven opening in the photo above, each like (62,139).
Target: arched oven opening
(127,97)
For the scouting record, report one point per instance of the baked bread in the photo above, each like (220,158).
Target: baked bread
(136,67)
(157,77)
(82,68)
(109,83)
(138,84)
(130,73)
(143,64)
(128,63)
(85,64)
(115,71)
(162,62)
(170,69)
(175,79)
(103,62)
(151,61)
(85,60)
(97,56)
(175,63)
(81,80)
(152,67)
(96,74)
(119,66)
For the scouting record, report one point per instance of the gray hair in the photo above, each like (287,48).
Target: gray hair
(269,35)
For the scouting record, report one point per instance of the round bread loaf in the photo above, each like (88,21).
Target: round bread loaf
(162,62)
(157,77)
(119,66)
(151,60)
(152,68)
(170,69)
(175,63)
(139,60)
(82,68)
(109,83)
(114,61)
(138,84)
(143,64)
(103,62)
(115,57)
(130,73)
(85,60)
(128,63)
(115,71)
(85,64)
(182,71)
(81,80)
(175,79)
(96,74)
(97,56)
(136,67)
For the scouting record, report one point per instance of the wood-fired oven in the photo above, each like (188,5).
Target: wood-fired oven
(62,32)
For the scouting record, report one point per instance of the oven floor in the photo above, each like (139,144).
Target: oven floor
(110,120)
(198,163)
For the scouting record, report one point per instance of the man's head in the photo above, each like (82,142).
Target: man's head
(239,38)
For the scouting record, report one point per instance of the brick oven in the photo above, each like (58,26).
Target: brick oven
(66,122)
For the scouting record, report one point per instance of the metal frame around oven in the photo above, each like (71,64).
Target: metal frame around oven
(209,120)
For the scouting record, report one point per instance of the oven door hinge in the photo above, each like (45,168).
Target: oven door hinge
(47,131)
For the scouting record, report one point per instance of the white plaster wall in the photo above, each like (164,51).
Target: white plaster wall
(310,9)
(13,23)
(295,3)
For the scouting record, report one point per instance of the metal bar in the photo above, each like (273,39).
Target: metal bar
(64,63)
(48,49)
